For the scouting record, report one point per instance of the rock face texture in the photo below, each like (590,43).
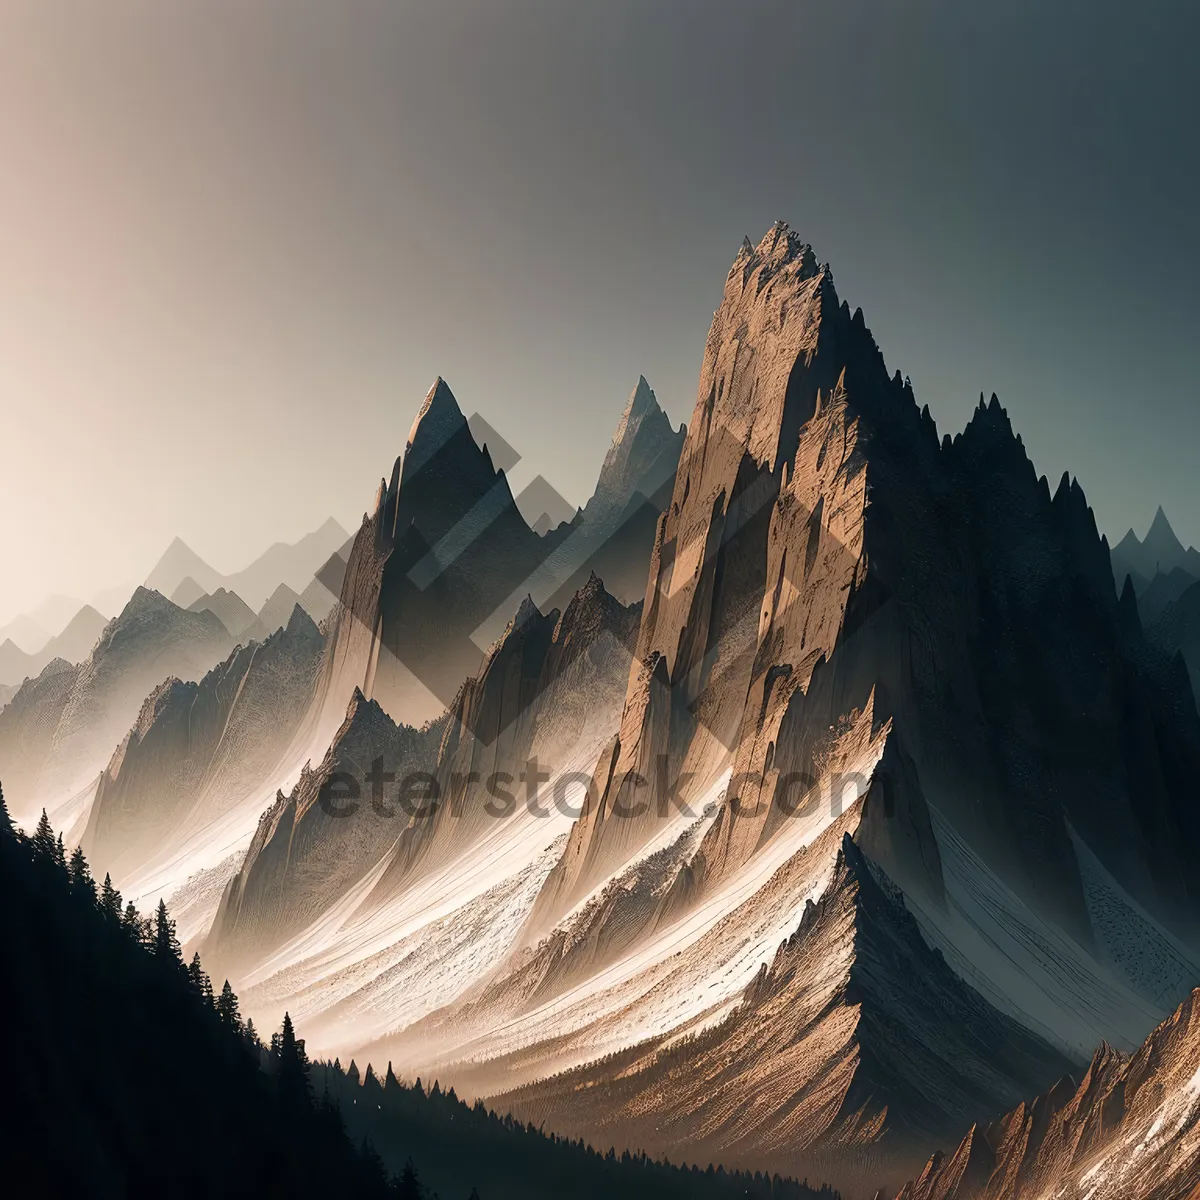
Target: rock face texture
(550,684)
(882,803)
(149,641)
(188,758)
(446,557)
(544,686)
(1128,1129)
(851,1052)
(444,545)
(824,549)
(312,846)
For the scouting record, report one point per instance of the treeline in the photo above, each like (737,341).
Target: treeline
(460,1147)
(130,1075)
(127,1076)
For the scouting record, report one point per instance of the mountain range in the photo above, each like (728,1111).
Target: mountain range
(1159,553)
(807,801)
(60,728)
(73,645)
(294,564)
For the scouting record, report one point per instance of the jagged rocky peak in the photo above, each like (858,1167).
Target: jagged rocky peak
(642,458)
(300,624)
(1125,1128)
(438,419)
(780,246)
(302,857)
(527,611)
(852,1050)
(594,610)
(442,476)
(1161,540)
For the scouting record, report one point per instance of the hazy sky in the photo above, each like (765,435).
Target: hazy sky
(240,238)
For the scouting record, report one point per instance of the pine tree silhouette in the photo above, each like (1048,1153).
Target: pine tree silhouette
(172,1102)
(292,1076)
(227,1009)
(6,825)
(81,877)
(165,943)
(110,898)
(131,922)
(43,839)
(410,1184)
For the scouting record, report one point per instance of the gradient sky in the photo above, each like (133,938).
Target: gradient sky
(240,238)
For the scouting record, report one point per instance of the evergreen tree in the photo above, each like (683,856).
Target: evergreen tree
(6,825)
(227,1008)
(131,921)
(252,1034)
(43,839)
(410,1185)
(198,977)
(81,877)
(292,1077)
(110,898)
(60,854)
(165,943)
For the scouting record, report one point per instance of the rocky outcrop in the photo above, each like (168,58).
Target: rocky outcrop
(196,747)
(823,547)
(549,685)
(312,846)
(1128,1128)
(444,544)
(422,797)
(852,1051)
(446,557)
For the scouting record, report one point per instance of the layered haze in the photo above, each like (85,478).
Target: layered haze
(225,224)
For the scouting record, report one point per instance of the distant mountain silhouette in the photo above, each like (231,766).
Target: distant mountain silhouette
(24,633)
(1164,589)
(178,564)
(74,644)
(229,608)
(276,613)
(292,563)
(184,576)
(187,593)
(1160,552)
(60,728)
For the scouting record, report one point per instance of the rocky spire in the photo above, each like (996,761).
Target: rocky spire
(642,458)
